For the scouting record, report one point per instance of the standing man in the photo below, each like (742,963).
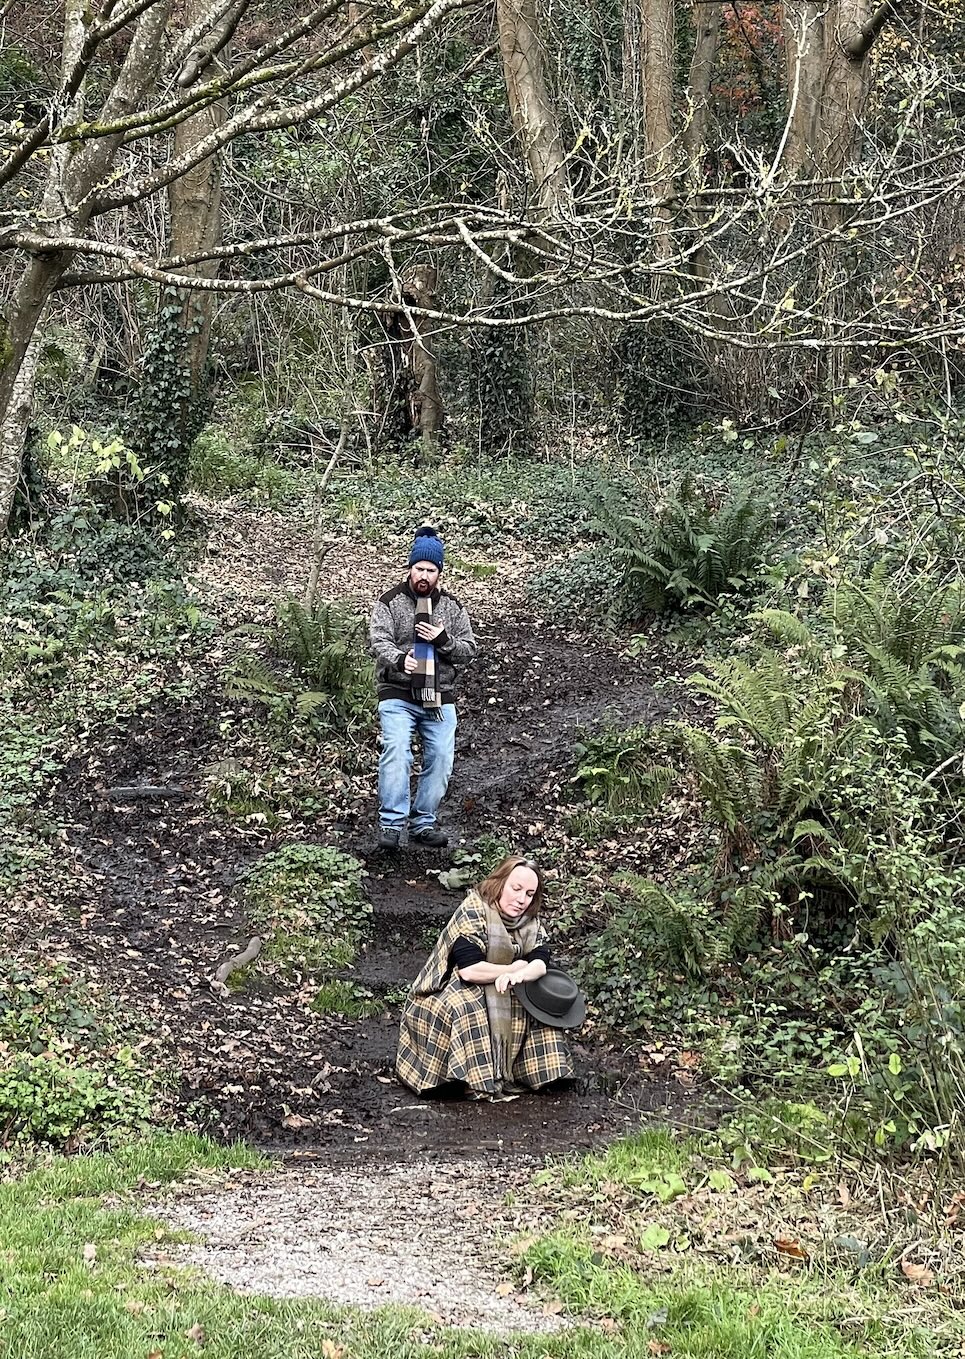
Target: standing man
(419,634)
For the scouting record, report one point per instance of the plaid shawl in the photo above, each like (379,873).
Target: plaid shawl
(445,1031)
(425,689)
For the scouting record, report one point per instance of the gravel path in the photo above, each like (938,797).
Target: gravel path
(419,1235)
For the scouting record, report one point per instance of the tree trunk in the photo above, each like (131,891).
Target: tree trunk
(803,23)
(13,431)
(173,398)
(195,203)
(419,290)
(531,104)
(657,46)
(845,94)
(39,278)
(196,227)
(707,20)
(412,404)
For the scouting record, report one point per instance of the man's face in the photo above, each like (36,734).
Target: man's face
(423,577)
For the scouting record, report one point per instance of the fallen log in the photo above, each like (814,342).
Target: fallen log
(247,955)
(144,792)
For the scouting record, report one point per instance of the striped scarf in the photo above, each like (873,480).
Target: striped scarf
(425,689)
(507,942)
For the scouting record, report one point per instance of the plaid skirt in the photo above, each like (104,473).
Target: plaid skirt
(445,1037)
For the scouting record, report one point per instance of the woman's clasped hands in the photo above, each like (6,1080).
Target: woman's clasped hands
(520,971)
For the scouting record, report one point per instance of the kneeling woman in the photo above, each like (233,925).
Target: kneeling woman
(462,1021)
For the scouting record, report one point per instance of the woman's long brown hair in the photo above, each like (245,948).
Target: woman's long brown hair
(491,887)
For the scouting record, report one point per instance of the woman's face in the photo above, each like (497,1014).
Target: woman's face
(518,892)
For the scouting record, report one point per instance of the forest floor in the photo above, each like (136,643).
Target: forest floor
(153,912)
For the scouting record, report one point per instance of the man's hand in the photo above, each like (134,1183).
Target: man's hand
(410,663)
(428,632)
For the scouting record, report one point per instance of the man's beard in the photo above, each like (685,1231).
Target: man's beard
(423,587)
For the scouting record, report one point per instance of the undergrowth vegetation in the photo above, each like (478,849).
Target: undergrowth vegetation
(71,1071)
(805,950)
(316,668)
(95,625)
(308,903)
(758,1238)
(687,551)
(821,939)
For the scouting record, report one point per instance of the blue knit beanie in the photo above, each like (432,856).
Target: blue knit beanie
(427,547)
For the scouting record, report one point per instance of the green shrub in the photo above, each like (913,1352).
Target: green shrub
(620,767)
(218,467)
(689,553)
(67,1073)
(327,676)
(309,903)
(834,912)
(903,646)
(88,583)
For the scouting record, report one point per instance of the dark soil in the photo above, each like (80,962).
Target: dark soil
(153,915)
(523,706)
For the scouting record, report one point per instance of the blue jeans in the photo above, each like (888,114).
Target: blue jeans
(400,720)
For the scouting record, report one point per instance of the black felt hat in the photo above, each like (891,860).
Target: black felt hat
(554,999)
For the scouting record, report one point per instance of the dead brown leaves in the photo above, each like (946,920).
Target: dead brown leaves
(917,1273)
(788,1246)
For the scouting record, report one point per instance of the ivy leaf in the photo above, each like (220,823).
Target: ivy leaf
(721,1183)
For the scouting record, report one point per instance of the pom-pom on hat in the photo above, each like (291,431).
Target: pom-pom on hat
(427,547)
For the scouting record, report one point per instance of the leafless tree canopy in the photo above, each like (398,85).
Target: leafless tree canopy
(127,157)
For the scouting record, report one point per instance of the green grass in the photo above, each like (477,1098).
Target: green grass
(698,1314)
(72,1284)
(348,1000)
(664,1236)
(652,1155)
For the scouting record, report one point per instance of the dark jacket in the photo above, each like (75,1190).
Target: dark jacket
(392,633)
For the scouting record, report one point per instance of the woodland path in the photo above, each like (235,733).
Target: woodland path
(156,915)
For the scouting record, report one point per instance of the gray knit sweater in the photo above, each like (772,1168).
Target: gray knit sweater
(392,633)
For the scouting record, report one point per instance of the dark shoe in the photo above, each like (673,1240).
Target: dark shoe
(390,838)
(431,836)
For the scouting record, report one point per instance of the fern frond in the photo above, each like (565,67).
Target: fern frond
(251,679)
(786,628)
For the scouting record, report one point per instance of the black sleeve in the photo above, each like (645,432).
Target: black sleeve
(538,955)
(464,953)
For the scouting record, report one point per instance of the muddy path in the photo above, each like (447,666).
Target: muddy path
(152,914)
